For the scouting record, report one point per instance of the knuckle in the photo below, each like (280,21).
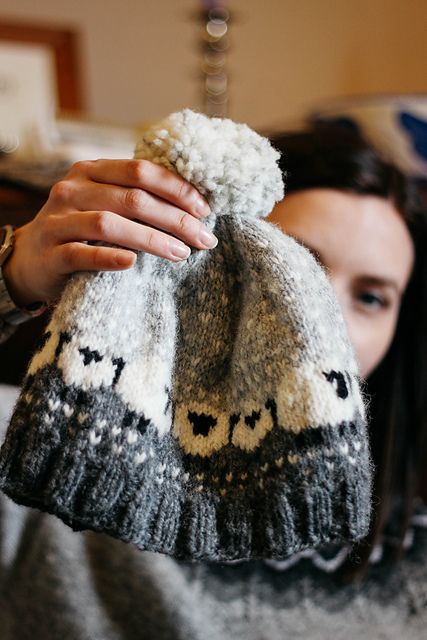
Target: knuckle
(61,191)
(137,170)
(80,167)
(135,200)
(150,241)
(102,224)
(184,223)
(98,257)
(52,227)
(185,192)
(70,255)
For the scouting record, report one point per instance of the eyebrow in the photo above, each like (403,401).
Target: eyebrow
(379,281)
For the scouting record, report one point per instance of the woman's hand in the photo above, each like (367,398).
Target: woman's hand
(133,203)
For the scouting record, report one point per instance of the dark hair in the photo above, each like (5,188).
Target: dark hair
(397,389)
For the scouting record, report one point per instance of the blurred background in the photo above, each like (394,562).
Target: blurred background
(140,59)
(270,64)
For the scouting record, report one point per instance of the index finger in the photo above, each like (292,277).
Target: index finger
(148,176)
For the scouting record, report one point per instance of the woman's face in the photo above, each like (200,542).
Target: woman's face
(365,247)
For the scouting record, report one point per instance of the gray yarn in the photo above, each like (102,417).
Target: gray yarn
(208,409)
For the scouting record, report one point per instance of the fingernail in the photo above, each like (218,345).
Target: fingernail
(202,207)
(178,250)
(208,239)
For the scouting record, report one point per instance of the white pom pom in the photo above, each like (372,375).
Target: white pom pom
(234,167)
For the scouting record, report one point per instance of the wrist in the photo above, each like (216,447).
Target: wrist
(17,303)
(13,279)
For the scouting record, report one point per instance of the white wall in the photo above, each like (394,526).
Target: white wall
(141,60)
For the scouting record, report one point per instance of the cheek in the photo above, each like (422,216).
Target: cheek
(371,338)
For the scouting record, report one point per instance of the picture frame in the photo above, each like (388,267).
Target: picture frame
(64,46)
(38,77)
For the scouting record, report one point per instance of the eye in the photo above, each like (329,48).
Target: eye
(371,301)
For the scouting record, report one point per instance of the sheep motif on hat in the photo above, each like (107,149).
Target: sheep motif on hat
(208,409)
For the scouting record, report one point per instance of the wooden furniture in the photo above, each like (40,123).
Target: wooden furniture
(65,46)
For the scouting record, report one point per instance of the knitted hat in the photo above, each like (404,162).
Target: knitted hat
(207,409)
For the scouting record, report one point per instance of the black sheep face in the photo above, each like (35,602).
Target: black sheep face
(307,399)
(201,432)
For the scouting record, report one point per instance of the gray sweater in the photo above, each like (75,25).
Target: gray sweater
(56,583)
